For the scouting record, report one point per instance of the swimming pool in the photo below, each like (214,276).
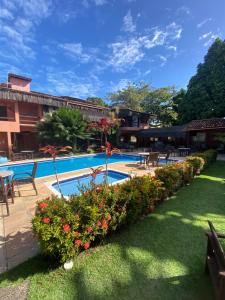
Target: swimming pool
(63,165)
(72,186)
(45,168)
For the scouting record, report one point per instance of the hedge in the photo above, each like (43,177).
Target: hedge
(65,228)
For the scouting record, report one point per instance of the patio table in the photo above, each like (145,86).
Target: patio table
(143,157)
(184,151)
(28,153)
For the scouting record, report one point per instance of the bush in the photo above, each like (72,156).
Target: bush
(196,162)
(208,156)
(65,228)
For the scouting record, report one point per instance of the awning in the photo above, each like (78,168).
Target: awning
(173,131)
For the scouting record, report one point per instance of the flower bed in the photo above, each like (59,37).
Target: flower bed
(65,228)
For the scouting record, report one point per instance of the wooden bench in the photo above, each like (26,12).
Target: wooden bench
(215,262)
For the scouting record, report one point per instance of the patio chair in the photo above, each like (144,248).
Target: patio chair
(153,158)
(165,156)
(26,177)
(5,190)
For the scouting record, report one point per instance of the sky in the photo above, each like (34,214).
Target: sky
(88,48)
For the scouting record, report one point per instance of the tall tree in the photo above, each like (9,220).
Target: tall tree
(64,127)
(205,96)
(97,101)
(131,96)
(160,103)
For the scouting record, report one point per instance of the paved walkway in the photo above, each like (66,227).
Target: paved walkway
(17,242)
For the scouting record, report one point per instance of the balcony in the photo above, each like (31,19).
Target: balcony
(29,120)
(7,118)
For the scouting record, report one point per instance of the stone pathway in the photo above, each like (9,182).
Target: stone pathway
(18,292)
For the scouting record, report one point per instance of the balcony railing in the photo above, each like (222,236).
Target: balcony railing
(29,120)
(7,119)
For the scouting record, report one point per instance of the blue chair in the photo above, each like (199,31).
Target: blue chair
(26,177)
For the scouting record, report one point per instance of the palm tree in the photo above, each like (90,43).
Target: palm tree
(64,126)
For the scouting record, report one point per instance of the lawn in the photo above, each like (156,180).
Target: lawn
(160,257)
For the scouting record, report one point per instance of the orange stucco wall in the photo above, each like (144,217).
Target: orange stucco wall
(19,84)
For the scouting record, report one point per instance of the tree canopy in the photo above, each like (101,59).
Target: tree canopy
(131,96)
(64,127)
(205,97)
(97,101)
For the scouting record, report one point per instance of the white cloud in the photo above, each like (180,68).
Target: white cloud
(123,83)
(210,40)
(6,14)
(100,2)
(205,35)
(19,36)
(199,25)
(75,50)
(183,10)
(128,24)
(163,60)
(69,83)
(173,48)
(125,54)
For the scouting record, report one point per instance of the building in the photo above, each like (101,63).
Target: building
(132,122)
(21,109)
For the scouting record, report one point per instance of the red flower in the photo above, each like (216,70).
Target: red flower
(104,224)
(77,243)
(86,246)
(46,220)
(99,223)
(98,189)
(43,205)
(66,228)
(76,233)
(90,229)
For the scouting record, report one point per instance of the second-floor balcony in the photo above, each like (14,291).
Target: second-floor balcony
(28,120)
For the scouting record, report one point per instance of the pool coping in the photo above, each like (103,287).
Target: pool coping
(55,192)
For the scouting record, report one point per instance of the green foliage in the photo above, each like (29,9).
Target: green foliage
(160,102)
(97,101)
(130,96)
(196,162)
(142,97)
(208,156)
(64,127)
(206,90)
(65,228)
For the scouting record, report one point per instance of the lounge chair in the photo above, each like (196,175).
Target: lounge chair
(153,159)
(26,178)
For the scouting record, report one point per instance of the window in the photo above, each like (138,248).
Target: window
(3,112)
(133,139)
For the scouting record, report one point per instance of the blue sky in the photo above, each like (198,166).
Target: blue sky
(92,47)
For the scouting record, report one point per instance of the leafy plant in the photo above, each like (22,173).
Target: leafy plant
(54,151)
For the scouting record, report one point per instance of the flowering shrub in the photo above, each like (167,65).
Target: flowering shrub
(65,228)
(208,156)
(196,162)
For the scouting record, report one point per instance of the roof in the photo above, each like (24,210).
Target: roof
(173,131)
(205,124)
(93,111)
(19,76)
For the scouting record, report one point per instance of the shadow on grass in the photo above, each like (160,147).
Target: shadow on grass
(160,257)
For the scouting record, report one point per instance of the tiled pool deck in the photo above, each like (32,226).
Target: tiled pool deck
(17,242)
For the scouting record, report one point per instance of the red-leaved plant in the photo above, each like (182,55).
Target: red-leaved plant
(54,151)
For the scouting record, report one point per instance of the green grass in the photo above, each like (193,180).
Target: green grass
(160,257)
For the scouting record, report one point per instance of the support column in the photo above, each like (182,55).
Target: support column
(9,142)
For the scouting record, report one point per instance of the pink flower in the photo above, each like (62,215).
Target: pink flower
(66,228)
(77,243)
(90,229)
(43,205)
(46,220)
(86,246)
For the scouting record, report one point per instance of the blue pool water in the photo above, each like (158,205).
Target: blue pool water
(73,185)
(45,168)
